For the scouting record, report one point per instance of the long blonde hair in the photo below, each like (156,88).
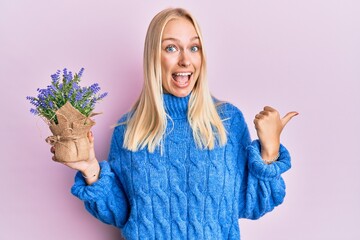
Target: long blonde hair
(147,120)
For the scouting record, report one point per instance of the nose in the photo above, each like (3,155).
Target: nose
(184,60)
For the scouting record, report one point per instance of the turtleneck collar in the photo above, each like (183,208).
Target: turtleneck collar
(176,107)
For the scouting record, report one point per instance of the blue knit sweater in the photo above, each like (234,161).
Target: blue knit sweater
(185,192)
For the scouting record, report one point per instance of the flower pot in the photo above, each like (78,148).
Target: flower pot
(70,134)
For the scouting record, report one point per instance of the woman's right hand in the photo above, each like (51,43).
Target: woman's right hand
(89,168)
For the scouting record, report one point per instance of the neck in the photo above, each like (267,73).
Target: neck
(176,107)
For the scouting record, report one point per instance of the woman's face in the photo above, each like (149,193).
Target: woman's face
(180,57)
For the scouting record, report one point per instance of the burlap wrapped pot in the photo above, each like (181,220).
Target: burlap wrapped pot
(70,134)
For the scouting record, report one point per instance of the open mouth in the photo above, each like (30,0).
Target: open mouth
(182,79)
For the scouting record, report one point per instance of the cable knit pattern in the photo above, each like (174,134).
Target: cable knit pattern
(181,191)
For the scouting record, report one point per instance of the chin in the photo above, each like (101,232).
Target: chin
(180,93)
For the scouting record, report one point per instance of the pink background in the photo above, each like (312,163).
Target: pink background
(293,55)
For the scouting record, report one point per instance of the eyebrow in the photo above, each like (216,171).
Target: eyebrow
(177,40)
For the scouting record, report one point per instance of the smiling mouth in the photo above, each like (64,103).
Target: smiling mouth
(182,78)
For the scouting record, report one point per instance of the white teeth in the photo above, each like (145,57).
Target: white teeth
(182,74)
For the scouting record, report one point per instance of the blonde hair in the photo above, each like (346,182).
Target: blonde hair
(147,121)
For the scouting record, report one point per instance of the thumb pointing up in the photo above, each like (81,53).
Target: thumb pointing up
(288,117)
(269,125)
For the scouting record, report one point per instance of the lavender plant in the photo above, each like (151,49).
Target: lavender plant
(62,90)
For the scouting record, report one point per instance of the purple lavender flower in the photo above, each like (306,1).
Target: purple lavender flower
(45,93)
(33,101)
(68,77)
(81,72)
(102,95)
(41,91)
(41,96)
(56,94)
(85,104)
(51,90)
(55,77)
(42,104)
(75,86)
(34,111)
(71,93)
(94,88)
(79,96)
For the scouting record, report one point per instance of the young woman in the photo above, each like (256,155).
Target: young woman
(181,163)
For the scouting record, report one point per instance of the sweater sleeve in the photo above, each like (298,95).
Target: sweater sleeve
(105,199)
(262,186)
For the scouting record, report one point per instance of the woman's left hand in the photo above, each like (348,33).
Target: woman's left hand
(269,126)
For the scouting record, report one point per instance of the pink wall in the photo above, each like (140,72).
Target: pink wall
(293,55)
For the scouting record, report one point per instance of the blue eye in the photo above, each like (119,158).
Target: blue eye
(195,49)
(171,48)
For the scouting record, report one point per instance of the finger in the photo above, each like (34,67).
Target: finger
(52,149)
(266,113)
(91,137)
(256,123)
(288,117)
(270,109)
(259,116)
